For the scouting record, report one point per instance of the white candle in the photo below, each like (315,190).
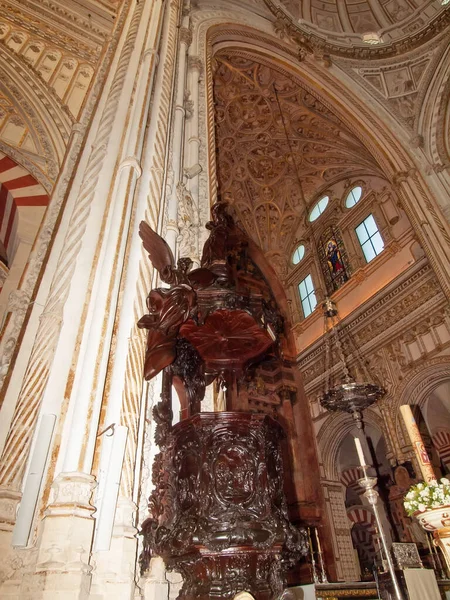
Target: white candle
(417,443)
(359,450)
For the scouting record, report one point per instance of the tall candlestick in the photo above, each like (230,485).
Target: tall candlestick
(417,443)
(359,450)
(313,562)
(322,565)
(317,540)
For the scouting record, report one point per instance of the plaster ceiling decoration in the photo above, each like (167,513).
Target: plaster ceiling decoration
(278,147)
(401,85)
(68,77)
(376,24)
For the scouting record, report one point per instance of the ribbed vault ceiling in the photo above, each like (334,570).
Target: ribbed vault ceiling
(278,147)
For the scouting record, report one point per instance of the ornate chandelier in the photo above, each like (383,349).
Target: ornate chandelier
(348,395)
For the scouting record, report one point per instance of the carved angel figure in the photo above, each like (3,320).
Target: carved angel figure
(168,308)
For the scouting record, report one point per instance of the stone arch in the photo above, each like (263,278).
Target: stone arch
(23,201)
(37,114)
(415,389)
(362,515)
(434,113)
(397,162)
(332,433)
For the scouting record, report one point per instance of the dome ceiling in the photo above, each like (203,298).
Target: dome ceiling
(350,22)
(278,147)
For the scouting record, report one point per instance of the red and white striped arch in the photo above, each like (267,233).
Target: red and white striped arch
(350,478)
(22,205)
(441,441)
(364,517)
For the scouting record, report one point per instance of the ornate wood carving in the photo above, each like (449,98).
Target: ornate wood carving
(224,492)
(218,512)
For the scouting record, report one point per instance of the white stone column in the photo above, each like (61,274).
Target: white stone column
(188,217)
(79,316)
(114,573)
(177,146)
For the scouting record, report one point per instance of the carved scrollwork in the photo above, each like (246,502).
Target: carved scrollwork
(225,477)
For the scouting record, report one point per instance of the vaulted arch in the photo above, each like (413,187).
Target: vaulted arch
(34,125)
(390,151)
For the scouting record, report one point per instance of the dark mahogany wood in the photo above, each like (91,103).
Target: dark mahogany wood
(218,512)
(222,504)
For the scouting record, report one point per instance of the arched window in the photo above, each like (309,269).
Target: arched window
(353,196)
(299,253)
(318,209)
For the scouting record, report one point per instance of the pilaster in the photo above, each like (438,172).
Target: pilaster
(114,569)
(62,568)
(154,584)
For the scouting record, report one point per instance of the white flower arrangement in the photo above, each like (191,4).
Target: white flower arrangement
(424,496)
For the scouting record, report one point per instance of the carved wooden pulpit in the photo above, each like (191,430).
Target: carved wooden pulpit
(218,512)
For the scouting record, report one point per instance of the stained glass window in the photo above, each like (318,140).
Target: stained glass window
(370,239)
(307,295)
(333,258)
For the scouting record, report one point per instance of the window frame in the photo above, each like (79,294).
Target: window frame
(295,251)
(317,205)
(350,191)
(368,240)
(308,295)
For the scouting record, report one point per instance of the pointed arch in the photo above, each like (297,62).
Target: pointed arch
(334,430)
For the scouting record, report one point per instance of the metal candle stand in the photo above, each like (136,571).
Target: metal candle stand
(368,484)
(322,577)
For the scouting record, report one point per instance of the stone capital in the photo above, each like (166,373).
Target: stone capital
(9,500)
(185,36)
(195,64)
(71,494)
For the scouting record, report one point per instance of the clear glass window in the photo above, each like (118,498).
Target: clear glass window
(353,196)
(370,239)
(318,209)
(307,295)
(298,254)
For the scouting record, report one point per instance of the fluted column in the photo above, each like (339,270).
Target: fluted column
(125,402)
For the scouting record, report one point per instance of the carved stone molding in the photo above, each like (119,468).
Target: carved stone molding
(325,37)
(71,494)
(186,36)
(277,146)
(195,63)
(9,500)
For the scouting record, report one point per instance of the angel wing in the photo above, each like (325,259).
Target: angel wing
(158,250)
